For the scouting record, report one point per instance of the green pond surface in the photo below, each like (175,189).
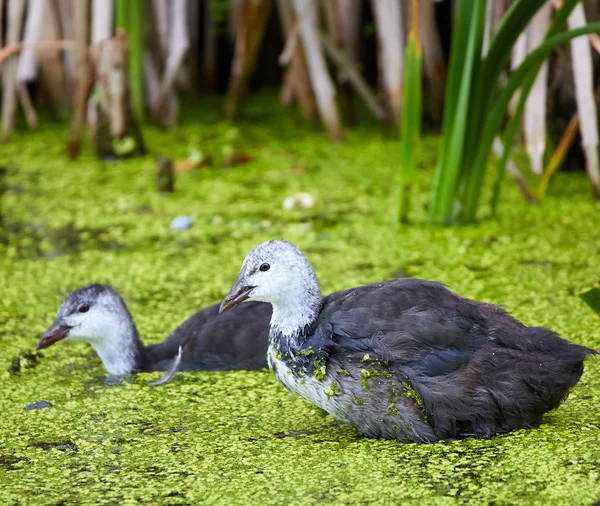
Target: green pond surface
(240,437)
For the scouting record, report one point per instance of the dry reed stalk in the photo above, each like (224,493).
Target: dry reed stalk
(15,13)
(152,77)
(495,11)
(251,30)
(1,45)
(52,66)
(354,77)
(289,32)
(161,20)
(595,41)
(581,55)
(187,77)
(209,54)
(65,16)
(339,14)
(235,17)
(349,14)
(27,68)
(535,107)
(27,105)
(593,37)
(519,52)
(42,45)
(102,20)
(333,21)
(155,58)
(1,24)
(118,132)
(101,29)
(514,173)
(559,155)
(81,12)
(178,47)
(296,83)
(322,85)
(390,37)
(28,63)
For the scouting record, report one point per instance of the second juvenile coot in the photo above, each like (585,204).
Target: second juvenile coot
(98,315)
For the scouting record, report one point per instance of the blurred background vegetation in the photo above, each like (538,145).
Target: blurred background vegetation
(482,73)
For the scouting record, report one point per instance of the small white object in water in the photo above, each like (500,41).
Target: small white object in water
(182,223)
(299,200)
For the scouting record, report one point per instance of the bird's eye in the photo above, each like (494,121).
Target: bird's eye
(83,309)
(265,267)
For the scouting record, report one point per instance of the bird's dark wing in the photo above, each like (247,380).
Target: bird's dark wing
(233,340)
(407,322)
(475,369)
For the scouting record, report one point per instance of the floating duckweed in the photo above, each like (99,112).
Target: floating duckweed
(343,371)
(231,437)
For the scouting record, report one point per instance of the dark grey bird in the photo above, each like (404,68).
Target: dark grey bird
(405,359)
(98,315)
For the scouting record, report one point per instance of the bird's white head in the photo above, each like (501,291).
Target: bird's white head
(97,314)
(277,272)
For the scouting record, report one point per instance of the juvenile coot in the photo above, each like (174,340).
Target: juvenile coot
(405,359)
(98,315)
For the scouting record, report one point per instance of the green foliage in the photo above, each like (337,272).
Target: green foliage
(476,105)
(130,15)
(462,80)
(412,110)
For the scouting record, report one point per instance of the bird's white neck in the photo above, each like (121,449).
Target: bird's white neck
(118,356)
(115,340)
(290,320)
(292,315)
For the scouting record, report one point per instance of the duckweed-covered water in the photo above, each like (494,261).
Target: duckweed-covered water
(239,437)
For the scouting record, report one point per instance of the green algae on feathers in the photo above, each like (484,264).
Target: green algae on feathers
(239,437)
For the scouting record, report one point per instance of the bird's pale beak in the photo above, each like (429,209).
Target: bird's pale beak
(57,331)
(238,294)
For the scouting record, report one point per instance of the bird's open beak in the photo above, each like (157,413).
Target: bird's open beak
(238,294)
(56,332)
